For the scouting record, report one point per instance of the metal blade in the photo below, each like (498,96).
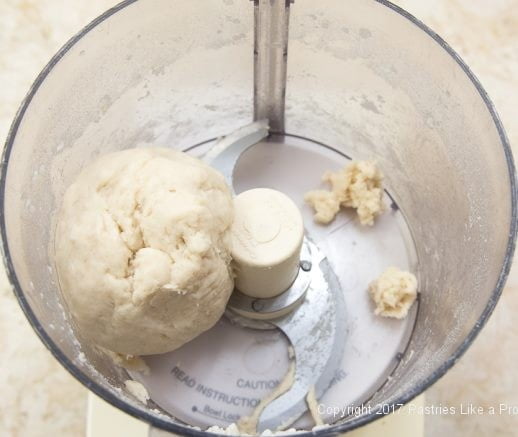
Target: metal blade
(316,331)
(316,328)
(227,150)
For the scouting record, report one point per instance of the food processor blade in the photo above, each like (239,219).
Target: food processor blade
(315,328)
(316,331)
(227,150)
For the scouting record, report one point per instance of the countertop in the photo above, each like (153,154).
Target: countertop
(39,398)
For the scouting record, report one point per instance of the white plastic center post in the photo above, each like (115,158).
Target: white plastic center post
(267,238)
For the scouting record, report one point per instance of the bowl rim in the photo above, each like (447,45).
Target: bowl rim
(158,422)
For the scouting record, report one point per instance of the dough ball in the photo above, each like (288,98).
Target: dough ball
(143,250)
(393,292)
(358,185)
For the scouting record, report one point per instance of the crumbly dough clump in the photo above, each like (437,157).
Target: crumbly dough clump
(358,185)
(143,250)
(393,292)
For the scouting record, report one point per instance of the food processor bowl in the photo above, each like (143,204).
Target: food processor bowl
(363,77)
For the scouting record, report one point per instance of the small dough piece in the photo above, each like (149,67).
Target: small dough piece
(137,390)
(325,203)
(358,185)
(393,292)
(232,429)
(143,250)
(248,424)
(311,400)
(128,362)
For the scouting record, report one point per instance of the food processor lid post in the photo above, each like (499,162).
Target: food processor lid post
(271,22)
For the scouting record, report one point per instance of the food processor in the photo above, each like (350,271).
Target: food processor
(325,82)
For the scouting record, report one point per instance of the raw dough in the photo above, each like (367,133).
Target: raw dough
(357,185)
(393,292)
(143,250)
(232,429)
(137,390)
(129,362)
(248,425)
(311,400)
(325,203)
